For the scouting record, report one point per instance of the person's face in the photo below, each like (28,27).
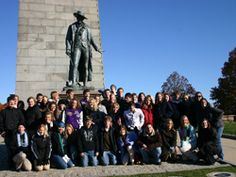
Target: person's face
(62,106)
(123,132)
(71,95)
(204,103)
(120,92)
(113,89)
(107,94)
(132,108)
(40,99)
(199,96)
(48,118)
(135,98)
(159,97)
(128,99)
(31,102)
(55,96)
(41,131)
(11,103)
(88,123)
(53,107)
(204,124)
(21,129)
(149,129)
(169,125)
(69,130)
(115,109)
(186,97)
(113,98)
(167,98)
(97,99)
(16,99)
(79,18)
(45,99)
(185,121)
(61,130)
(148,101)
(142,96)
(87,95)
(108,124)
(74,104)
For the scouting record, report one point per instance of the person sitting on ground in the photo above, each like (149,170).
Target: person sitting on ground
(188,140)
(207,138)
(88,144)
(22,152)
(150,143)
(41,149)
(169,138)
(108,147)
(71,136)
(126,149)
(59,157)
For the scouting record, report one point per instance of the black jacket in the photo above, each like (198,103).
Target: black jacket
(112,140)
(32,115)
(151,141)
(88,139)
(169,138)
(41,148)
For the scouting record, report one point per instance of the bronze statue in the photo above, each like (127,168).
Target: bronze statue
(78,47)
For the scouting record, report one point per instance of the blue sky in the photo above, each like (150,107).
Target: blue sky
(145,41)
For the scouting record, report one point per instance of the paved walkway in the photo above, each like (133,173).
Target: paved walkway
(229,150)
(111,170)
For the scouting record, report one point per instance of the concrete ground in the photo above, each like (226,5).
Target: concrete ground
(229,146)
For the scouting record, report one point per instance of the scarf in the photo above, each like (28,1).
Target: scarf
(22,140)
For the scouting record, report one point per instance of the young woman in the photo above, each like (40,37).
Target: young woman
(32,115)
(169,138)
(71,137)
(74,114)
(49,122)
(147,109)
(59,156)
(125,145)
(41,149)
(188,140)
(22,153)
(207,138)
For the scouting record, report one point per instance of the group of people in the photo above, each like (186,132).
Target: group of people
(110,128)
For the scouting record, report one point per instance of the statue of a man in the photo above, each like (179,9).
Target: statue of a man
(78,47)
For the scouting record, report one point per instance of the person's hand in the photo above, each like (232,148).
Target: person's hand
(97,153)
(81,154)
(68,53)
(144,146)
(3,134)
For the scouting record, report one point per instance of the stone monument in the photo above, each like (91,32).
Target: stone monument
(42,63)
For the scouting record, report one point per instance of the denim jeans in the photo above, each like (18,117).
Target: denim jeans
(60,163)
(218,143)
(108,158)
(127,155)
(151,156)
(89,157)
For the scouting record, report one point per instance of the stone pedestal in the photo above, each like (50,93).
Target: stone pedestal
(42,65)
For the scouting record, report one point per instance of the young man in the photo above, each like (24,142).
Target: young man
(134,118)
(150,145)
(88,144)
(108,146)
(10,118)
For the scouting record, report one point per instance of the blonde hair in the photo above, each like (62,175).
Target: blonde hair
(45,128)
(68,126)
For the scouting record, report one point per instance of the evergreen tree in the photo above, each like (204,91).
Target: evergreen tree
(225,94)
(177,83)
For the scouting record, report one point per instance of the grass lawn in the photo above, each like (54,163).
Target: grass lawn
(193,173)
(230,128)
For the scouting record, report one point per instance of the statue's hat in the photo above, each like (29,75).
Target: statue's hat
(79,13)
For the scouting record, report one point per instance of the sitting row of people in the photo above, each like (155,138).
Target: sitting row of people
(65,147)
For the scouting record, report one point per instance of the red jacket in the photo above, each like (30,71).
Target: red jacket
(148,116)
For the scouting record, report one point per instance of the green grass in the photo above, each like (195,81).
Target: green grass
(192,173)
(230,128)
